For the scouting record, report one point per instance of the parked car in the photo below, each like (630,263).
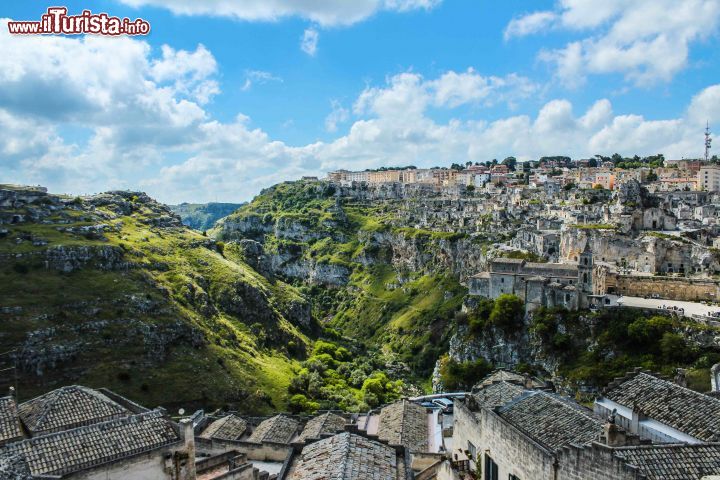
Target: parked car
(445,404)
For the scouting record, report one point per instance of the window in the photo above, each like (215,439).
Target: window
(491,468)
(472,450)
(513,477)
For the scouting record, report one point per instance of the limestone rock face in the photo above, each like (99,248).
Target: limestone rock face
(70,258)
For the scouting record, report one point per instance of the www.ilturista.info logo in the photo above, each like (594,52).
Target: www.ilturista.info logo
(57,21)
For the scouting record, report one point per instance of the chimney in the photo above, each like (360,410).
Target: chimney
(614,435)
(188,434)
(637,417)
(680,377)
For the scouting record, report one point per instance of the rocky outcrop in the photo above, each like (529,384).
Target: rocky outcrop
(70,258)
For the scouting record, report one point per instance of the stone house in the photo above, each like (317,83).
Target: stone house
(538,284)
(505,430)
(80,433)
(348,456)
(661,410)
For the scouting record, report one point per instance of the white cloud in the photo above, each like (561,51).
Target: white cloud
(92,114)
(529,23)
(323,12)
(338,115)
(646,41)
(260,77)
(309,41)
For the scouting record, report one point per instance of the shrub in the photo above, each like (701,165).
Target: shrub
(462,375)
(507,313)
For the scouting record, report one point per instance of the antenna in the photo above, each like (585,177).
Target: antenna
(708,141)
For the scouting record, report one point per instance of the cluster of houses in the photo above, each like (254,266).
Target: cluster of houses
(674,175)
(512,426)
(646,232)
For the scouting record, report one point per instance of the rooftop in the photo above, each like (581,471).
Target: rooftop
(551,420)
(498,376)
(497,394)
(229,427)
(404,423)
(673,462)
(70,451)
(685,410)
(278,429)
(346,456)
(68,407)
(327,423)
(10,429)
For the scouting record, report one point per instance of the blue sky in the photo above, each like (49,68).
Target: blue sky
(223,98)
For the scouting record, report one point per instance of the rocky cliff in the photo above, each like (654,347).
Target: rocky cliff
(112,290)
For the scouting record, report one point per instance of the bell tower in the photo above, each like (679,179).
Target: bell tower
(585,269)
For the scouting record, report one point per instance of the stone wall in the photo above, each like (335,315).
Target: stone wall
(667,287)
(150,466)
(595,462)
(512,451)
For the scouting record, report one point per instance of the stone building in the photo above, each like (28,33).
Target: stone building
(278,429)
(661,410)
(322,425)
(568,285)
(229,427)
(348,456)
(505,429)
(80,433)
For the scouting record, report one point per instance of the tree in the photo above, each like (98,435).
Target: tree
(673,347)
(511,162)
(592,163)
(507,313)
(462,375)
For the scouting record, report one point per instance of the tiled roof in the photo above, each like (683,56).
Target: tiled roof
(13,467)
(404,423)
(327,423)
(500,375)
(68,407)
(673,462)
(9,421)
(497,394)
(346,456)
(70,451)
(229,427)
(278,429)
(690,412)
(551,420)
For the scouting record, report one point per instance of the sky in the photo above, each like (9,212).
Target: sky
(226,97)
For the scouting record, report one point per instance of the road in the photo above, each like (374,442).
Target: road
(691,308)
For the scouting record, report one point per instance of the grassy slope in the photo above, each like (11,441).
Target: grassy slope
(91,307)
(405,320)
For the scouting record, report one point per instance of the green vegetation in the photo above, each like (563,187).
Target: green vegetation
(180,325)
(462,376)
(522,255)
(332,377)
(595,348)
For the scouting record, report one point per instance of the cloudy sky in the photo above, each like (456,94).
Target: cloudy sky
(226,97)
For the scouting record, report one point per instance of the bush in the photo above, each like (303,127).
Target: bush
(673,347)
(21,268)
(299,403)
(507,313)
(462,375)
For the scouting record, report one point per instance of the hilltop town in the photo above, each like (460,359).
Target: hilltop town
(555,319)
